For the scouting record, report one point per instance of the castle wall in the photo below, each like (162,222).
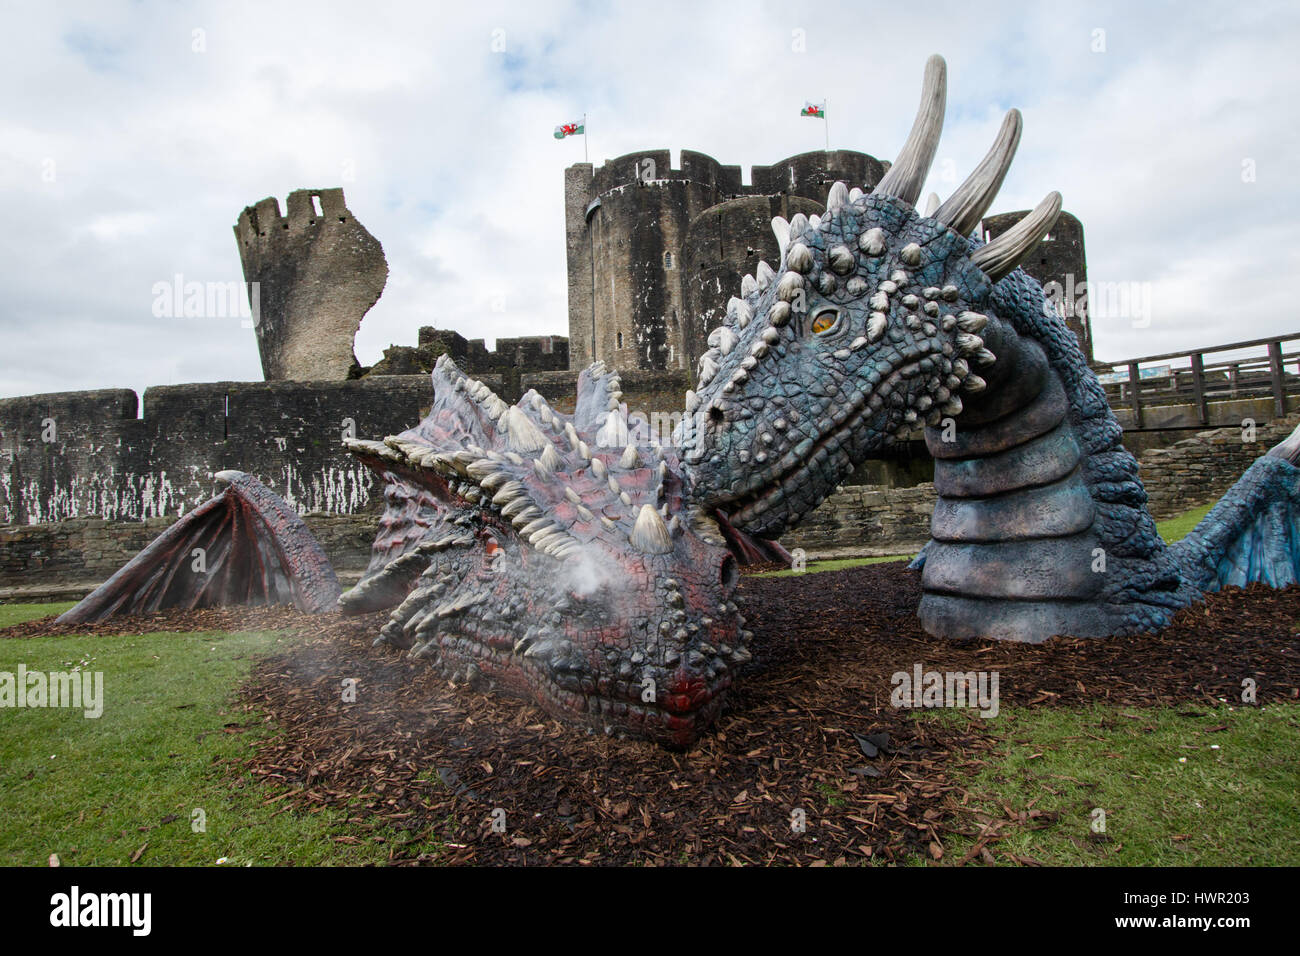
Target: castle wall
(103,462)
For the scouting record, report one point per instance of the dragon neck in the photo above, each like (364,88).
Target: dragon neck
(1040,527)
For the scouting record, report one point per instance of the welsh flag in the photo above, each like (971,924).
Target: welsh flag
(813,109)
(570,129)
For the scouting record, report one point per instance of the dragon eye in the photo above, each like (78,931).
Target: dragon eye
(825,320)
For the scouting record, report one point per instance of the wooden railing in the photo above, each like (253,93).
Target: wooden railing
(1188,378)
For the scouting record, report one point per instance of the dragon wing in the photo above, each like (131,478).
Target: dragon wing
(245,546)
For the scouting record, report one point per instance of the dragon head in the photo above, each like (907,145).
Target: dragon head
(553,557)
(877,319)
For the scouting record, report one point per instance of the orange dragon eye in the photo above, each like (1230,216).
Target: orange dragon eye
(825,321)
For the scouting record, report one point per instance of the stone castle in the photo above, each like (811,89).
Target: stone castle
(653,255)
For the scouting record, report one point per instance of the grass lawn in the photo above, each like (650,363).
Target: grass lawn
(94,791)
(1183,786)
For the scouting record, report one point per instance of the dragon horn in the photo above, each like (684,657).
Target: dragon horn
(906,177)
(781,229)
(1002,255)
(931,204)
(966,207)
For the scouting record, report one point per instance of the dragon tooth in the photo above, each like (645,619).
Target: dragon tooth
(598,468)
(583,451)
(614,487)
(572,434)
(624,497)
(607,524)
(526,516)
(514,505)
(544,473)
(650,534)
(585,513)
(630,458)
(572,495)
(508,493)
(494,481)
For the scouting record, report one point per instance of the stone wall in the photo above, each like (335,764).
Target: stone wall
(1198,470)
(867,519)
(85,454)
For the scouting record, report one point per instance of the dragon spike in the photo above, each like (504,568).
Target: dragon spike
(931,204)
(765,275)
(798,225)
(781,229)
(966,207)
(855,194)
(650,533)
(1001,256)
(748,286)
(630,459)
(837,197)
(906,177)
(521,434)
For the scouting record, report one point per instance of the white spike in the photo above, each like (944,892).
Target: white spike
(650,534)
(837,197)
(781,229)
(876,325)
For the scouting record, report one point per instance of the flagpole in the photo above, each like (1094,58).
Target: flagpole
(585,158)
(826,122)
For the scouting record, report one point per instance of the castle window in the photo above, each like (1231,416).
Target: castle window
(619,340)
(668,260)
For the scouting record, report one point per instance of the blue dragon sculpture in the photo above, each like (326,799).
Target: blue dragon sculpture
(880,318)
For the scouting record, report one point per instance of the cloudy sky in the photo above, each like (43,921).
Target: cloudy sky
(132,134)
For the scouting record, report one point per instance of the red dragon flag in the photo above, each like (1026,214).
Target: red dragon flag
(570,129)
(813,109)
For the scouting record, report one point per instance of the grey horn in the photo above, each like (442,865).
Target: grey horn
(1003,254)
(966,207)
(906,177)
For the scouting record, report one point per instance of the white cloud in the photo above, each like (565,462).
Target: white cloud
(444,148)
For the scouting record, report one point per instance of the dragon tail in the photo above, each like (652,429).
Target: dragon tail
(1253,532)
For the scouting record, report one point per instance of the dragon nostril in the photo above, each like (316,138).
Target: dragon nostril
(717,415)
(729,575)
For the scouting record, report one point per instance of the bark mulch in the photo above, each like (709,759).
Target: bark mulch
(809,728)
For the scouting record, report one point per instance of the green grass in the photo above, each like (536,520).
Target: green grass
(1176,790)
(18,613)
(1176,528)
(95,790)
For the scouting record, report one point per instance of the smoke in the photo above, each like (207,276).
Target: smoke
(587,573)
